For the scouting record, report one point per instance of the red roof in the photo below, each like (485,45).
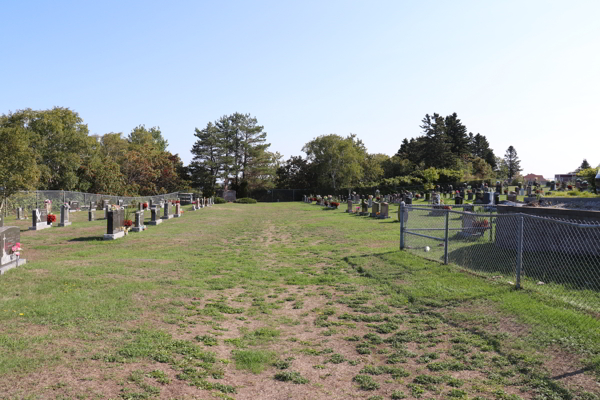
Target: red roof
(533,177)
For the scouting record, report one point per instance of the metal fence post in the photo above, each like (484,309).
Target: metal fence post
(402,226)
(491,226)
(446,238)
(519,251)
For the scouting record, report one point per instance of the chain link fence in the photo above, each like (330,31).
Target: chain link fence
(557,258)
(35,199)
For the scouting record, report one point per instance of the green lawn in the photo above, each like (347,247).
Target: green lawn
(275,301)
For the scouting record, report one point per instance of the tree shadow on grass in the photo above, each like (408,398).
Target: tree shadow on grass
(87,239)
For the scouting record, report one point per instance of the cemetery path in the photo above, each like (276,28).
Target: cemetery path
(274,301)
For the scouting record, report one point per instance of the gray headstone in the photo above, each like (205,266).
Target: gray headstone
(64,215)
(9,236)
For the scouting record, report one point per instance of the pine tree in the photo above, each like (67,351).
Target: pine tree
(512,162)
(584,165)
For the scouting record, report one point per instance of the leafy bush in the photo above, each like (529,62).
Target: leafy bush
(246,200)
(219,200)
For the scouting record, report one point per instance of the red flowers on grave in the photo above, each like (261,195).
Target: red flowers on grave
(51,218)
(446,208)
(335,204)
(177,202)
(481,223)
(570,187)
(128,223)
(145,205)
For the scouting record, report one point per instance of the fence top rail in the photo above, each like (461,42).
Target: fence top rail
(495,215)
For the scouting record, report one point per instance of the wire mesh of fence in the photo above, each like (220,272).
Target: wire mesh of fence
(34,199)
(559,259)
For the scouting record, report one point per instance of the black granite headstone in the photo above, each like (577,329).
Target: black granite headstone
(39,215)
(115,221)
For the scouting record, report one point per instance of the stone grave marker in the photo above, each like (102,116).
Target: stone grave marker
(92,214)
(64,215)
(9,237)
(139,222)
(114,224)
(167,213)
(39,220)
(349,210)
(384,212)
(154,216)
(177,210)
(74,206)
(20,215)
(365,208)
(105,204)
(374,209)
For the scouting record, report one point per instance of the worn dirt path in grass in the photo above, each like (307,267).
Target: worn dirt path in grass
(239,301)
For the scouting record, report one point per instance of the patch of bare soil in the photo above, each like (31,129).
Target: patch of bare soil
(567,369)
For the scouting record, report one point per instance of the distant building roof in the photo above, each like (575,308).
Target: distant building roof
(533,177)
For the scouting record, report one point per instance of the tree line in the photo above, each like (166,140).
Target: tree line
(445,153)
(52,149)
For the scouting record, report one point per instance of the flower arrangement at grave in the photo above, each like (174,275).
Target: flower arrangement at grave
(326,203)
(446,208)
(17,249)
(481,225)
(417,196)
(145,205)
(50,218)
(335,204)
(128,223)
(570,187)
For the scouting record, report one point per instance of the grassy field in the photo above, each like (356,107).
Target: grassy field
(274,301)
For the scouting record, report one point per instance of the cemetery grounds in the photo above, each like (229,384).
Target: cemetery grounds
(275,301)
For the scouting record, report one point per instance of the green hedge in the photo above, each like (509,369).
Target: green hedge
(246,200)
(219,200)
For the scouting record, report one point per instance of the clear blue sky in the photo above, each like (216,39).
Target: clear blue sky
(522,73)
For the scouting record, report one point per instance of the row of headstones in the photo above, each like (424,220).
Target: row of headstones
(202,202)
(378,210)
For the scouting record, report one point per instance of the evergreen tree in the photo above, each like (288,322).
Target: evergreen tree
(512,162)
(480,147)
(584,165)
(206,164)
